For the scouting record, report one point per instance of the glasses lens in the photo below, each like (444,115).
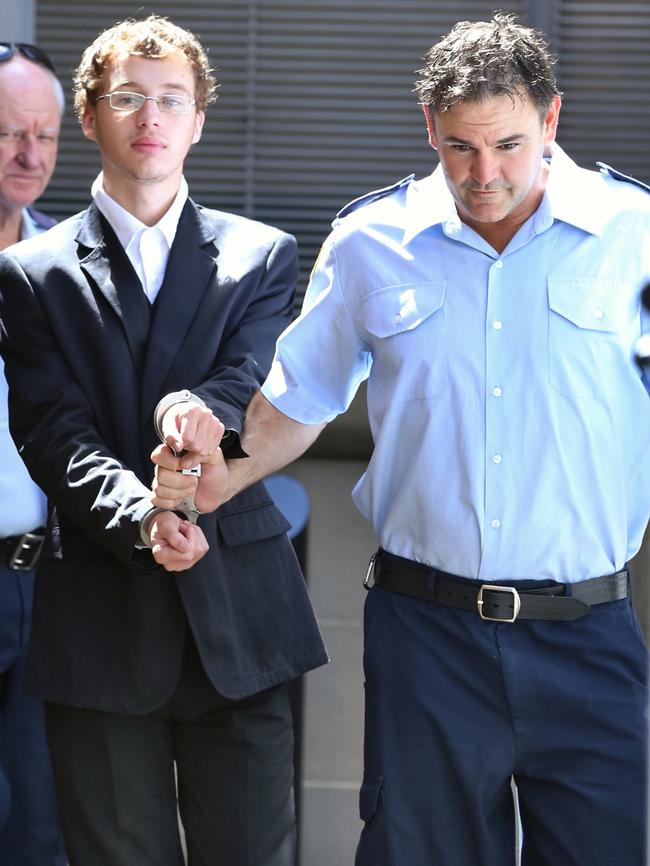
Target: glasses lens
(173,103)
(7,51)
(122,100)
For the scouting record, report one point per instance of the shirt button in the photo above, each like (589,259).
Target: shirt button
(598,313)
(496,458)
(496,524)
(397,319)
(498,264)
(496,392)
(497,325)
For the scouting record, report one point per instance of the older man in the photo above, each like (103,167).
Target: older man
(31,103)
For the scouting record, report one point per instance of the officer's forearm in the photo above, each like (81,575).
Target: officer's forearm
(272,440)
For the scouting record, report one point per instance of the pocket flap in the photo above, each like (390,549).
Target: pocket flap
(395,309)
(599,305)
(369,795)
(252,524)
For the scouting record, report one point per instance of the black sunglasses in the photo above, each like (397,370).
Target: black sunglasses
(31,52)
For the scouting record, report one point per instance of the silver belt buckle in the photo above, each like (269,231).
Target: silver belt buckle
(516,602)
(27,551)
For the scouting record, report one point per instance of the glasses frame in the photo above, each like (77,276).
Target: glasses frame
(156,99)
(31,52)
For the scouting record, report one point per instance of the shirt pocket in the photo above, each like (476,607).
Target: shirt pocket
(405,327)
(592,327)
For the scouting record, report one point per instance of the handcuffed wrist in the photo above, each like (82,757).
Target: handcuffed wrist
(184,510)
(169,400)
(145,525)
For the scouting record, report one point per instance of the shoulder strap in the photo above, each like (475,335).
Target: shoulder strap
(369,197)
(618,175)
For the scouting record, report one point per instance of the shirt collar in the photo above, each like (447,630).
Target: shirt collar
(571,195)
(429,203)
(126,226)
(29,227)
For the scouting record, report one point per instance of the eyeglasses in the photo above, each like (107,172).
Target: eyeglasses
(127,103)
(31,52)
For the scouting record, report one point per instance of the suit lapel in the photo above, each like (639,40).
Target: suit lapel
(190,269)
(109,267)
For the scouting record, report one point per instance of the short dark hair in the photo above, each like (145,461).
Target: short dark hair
(151,37)
(478,59)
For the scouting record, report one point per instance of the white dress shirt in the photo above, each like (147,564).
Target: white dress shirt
(146,246)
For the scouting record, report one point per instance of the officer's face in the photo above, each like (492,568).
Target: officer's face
(147,147)
(492,156)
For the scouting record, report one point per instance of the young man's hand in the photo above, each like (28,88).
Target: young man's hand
(193,429)
(176,544)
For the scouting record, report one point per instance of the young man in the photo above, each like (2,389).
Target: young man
(494,309)
(147,315)
(31,104)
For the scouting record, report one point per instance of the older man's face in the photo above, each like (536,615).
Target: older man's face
(30,118)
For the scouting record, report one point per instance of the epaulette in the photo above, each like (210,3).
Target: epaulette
(372,196)
(618,175)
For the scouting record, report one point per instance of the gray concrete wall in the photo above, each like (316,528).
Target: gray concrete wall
(339,544)
(17,20)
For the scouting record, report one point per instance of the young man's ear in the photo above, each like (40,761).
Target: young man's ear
(198,126)
(428,116)
(88,122)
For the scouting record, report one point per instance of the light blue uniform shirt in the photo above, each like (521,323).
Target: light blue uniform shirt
(22,505)
(511,425)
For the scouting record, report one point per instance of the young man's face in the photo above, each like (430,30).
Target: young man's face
(491,153)
(148,146)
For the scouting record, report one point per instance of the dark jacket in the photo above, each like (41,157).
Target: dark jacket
(87,360)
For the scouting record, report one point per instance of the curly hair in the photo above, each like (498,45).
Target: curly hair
(476,60)
(152,37)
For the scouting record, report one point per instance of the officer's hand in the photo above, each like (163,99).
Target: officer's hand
(213,486)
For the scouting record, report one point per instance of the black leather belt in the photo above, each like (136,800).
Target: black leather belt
(495,602)
(21,552)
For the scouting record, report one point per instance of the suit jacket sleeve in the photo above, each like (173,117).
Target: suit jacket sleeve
(247,348)
(52,423)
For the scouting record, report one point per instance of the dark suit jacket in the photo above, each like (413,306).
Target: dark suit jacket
(87,362)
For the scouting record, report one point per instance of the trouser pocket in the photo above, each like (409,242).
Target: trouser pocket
(374,847)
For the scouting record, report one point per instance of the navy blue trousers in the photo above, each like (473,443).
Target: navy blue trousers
(457,707)
(30,834)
